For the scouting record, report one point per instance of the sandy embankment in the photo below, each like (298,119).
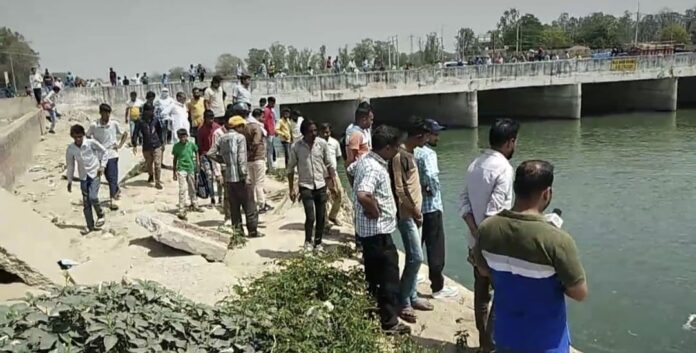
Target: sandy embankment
(125,250)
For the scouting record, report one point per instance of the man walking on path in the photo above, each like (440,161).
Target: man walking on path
(269,123)
(285,133)
(533,264)
(195,108)
(211,168)
(113,78)
(186,164)
(334,150)
(107,132)
(90,157)
(314,171)
(433,228)
(133,110)
(375,220)
(231,150)
(149,130)
(176,116)
(213,98)
(407,189)
(256,156)
(36,81)
(488,190)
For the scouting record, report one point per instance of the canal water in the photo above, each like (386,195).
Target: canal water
(626,185)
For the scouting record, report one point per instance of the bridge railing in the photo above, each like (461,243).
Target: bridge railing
(331,86)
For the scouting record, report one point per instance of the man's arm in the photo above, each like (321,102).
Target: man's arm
(403,194)
(364,189)
(70,164)
(136,133)
(292,163)
(353,145)
(124,135)
(501,196)
(206,99)
(101,151)
(570,272)
(242,157)
(127,116)
(213,152)
(480,261)
(329,167)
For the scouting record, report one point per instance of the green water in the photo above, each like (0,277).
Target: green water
(625,184)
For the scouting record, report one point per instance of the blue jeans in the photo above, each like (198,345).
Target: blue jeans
(90,199)
(111,174)
(270,152)
(411,237)
(54,117)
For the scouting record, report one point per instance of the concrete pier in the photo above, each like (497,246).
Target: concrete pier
(686,92)
(453,109)
(337,113)
(617,97)
(556,102)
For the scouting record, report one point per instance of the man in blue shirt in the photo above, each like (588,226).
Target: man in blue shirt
(533,265)
(433,237)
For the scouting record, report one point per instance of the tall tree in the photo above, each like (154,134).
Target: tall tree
(599,31)
(648,29)
(343,56)
(508,20)
(13,46)
(322,54)
(528,28)
(256,58)
(226,65)
(305,59)
(554,37)
(431,51)
(363,50)
(382,51)
(676,33)
(176,72)
(294,60)
(465,41)
(277,54)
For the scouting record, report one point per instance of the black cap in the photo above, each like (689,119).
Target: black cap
(434,126)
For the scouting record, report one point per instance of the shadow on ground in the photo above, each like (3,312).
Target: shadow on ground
(157,249)
(442,347)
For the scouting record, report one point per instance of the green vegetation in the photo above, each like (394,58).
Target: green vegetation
(16,56)
(308,305)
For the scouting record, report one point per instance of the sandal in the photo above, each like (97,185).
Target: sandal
(408,315)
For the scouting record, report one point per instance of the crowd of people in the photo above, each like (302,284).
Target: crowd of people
(223,152)
(193,74)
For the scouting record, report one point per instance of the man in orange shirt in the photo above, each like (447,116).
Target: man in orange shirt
(358,135)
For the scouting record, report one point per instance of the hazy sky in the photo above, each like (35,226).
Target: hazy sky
(88,36)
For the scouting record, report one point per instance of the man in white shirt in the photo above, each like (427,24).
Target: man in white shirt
(36,81)
(91,158)
(162,104)
(212,97)
(334,151)
(488,190)
(107,132)
(176,115)
(241,93)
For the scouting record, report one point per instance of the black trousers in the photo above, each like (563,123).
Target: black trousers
(382,275)
(434,243)
(314,202)
(37,95)
(241,195)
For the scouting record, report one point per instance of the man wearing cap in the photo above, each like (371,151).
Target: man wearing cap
(213,99)
(231,149)
(106,132)
(241,93)
(433,229)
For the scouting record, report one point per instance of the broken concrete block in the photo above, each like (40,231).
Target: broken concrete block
(189,238)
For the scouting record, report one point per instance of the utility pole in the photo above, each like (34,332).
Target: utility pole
(442,43)
(14,78)
(397,52)
(420,49)
(517,46)
(411,37)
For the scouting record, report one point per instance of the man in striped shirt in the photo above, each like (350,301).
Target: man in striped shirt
(533,266)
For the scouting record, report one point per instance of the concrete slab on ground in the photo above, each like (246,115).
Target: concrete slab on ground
(31,245)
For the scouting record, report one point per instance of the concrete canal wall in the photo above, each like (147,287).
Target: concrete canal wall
(21,127)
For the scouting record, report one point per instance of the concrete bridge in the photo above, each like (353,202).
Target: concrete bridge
(458,96)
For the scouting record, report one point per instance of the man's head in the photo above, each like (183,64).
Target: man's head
(215,83)
(182,134)
(434,135)
(104,112)
(308,128)
(386,141)
(150,96)
(262,102)
(285,113)
(417,132)
(325,131)
(503,136)
(148,110)
(196,92)
(180,97)
(257,113)
(295,114)
(133,96)
(533,184)
(237,123)
(245,79)
(164,94)
(33,70)
(240,109)
(208,117)
(271,102)
(362,117)
(77,132)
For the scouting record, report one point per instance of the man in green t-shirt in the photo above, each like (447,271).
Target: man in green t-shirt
(186,164)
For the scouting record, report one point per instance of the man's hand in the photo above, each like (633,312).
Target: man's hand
(219,179)
(70,187)
(419,221)
(100,171)
(293,195)
(371,212)
(174,176)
